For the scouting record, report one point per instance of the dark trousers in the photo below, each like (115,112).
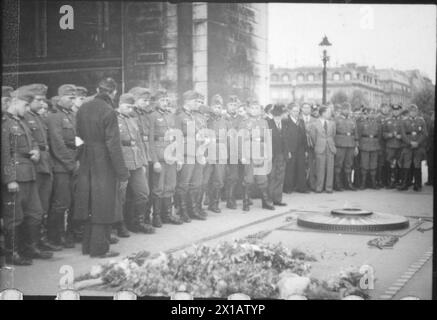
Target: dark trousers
(136,196)
(276,178)
(95,241)
(164,183)
(295,178)
(430,164)
(61,205)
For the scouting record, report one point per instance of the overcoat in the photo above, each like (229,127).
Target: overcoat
(102,166)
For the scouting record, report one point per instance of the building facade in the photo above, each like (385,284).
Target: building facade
(211,47)
(305,84)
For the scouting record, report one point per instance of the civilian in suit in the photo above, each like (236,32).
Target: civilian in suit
(297,146)
(310,162)
(322,135)
(277,175)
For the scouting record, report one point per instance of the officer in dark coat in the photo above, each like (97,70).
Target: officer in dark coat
(102,172)
(430,149)
(21,207)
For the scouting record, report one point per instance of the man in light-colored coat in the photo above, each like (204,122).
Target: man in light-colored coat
(322,134)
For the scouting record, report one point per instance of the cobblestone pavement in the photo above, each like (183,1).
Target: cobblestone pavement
(338,251)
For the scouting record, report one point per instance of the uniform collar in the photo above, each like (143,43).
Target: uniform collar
(12,116)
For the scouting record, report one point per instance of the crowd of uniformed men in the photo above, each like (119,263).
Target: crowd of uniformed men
(315,148)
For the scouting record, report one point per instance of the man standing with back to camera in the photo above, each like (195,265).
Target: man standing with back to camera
(102,172)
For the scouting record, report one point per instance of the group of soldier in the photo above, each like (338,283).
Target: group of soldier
(41,148)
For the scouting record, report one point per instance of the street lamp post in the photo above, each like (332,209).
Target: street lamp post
(325,59)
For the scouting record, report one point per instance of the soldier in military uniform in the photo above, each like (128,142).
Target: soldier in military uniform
(430,149)
(142,112)
(356,116)
(135,160)
(381,171)
(22,210)
(81,95)
(44,175)
(190,175)
(61,136)
(164,169)
(391,133)
(6,97)
(346,142)
(414,134)
(214,172)
(251,161)
(369,137)
(233,167)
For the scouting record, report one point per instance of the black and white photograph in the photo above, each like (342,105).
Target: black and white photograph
(217,150)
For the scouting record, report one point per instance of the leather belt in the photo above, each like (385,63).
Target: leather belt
(128,143)
(368,136)
(344,134)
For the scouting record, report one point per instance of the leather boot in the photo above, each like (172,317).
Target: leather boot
(32,227)
(44,244)
(199,198)
(183,210)
(363,179)
(410,177)
(338,186)
(156,219)
(214,201)
(390,178)
(379,179)
(246,204)
(207,199)
(373,183)
(193,210)
(167,212)
(148,212)
(144,227)
(266,202)
(122,231)
(417,179)
(350,185)
(230,197)
(12,256)
(404,182)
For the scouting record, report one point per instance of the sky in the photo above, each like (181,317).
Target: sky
(384,36)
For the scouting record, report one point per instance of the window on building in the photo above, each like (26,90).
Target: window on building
(300,77)
(310,77)
(347,76)
(285,78)
(358,76)
(336,76)
(274,77)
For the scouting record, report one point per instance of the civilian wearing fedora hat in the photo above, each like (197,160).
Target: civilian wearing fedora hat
(279,151)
